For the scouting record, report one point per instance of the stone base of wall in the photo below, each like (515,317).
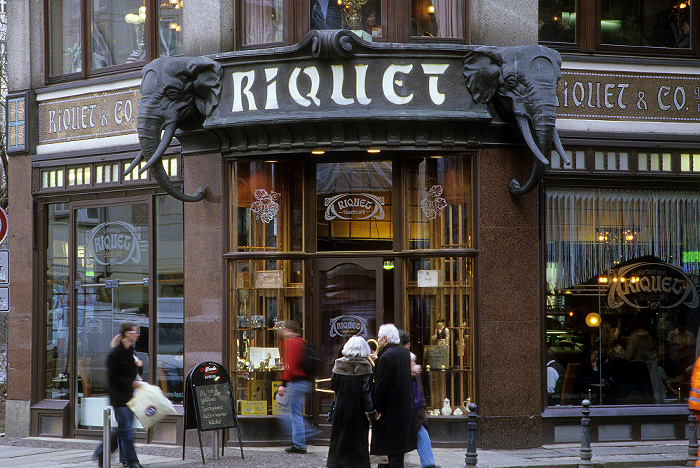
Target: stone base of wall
(510,432)
(18,412)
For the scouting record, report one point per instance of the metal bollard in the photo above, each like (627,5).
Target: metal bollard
(470,457)
(586,451)
(107,437)
(215,444)
(692,438)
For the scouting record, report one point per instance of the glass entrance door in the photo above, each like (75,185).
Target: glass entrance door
(350,301)
(111,271)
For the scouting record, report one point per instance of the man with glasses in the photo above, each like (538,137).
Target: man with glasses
(123,368)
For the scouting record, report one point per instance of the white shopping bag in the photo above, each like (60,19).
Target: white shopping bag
(150,405)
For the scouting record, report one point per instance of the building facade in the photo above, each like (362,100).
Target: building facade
(209,170)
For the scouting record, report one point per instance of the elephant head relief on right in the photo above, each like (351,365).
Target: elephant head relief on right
(521,82)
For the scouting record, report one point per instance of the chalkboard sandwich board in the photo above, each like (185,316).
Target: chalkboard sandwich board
(209,403)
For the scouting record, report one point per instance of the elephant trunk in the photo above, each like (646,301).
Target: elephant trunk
(152,149)
(540,142)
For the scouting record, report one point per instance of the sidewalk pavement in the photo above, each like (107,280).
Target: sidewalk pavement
(55,453)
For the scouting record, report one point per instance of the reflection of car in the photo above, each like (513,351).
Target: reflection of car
(566,345)
(98,324)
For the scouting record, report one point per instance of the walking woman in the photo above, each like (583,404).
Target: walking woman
(352,382)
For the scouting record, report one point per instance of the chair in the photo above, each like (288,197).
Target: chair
(567,384)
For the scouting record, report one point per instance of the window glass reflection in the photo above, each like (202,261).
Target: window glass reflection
(64,46)
(557,20)
(648,23)
(437,18)
(363,18)
(118,29)
(170,28)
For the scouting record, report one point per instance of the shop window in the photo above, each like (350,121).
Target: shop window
(438,203)
(266,203)
(437,18)
(622,305)
(439,294)
(646,26)
(263,292)
(87,36)
(354,206)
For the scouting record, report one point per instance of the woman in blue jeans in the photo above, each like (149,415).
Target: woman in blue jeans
(122,371)
(425,450)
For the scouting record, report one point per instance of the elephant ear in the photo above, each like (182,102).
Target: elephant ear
(482,70)
(207,83)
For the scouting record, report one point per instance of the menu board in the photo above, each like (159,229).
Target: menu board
(209,401)
(213,403)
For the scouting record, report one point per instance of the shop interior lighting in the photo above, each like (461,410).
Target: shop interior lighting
(593,319)
(374,150)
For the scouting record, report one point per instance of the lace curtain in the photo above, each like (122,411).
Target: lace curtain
(449,17)
(591,231)
(263,20)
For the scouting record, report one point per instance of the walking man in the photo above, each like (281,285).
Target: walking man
(393,399)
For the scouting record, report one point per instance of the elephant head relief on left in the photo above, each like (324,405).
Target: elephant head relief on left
(521,82)
(176,92)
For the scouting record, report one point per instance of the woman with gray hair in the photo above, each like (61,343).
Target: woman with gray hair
(352,383)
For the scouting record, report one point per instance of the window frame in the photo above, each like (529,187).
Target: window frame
(150,42)
(588,36)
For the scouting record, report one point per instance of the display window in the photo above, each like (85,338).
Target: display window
(622,305)
(99,258)
(354,267)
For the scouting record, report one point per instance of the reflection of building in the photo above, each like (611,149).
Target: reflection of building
(358,180)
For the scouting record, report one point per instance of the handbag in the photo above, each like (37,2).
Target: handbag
(150,405)
(331,410)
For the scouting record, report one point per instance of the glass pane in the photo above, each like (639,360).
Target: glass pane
(111,263)
(266,206)
(557,20)
(437,18)
(170,27)
(64,46)
(170,299)
(623,311)
(440,311)
(118,29)
(438,203)
(263,292)
(649,23)
(326,14)
(264,21)
(57,301)
(354,206)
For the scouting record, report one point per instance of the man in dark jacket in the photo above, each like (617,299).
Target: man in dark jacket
(393,399)
(122,371)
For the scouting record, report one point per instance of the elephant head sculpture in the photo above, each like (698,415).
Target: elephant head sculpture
(176,92)
(521,82)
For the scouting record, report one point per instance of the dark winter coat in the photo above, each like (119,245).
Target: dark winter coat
(392,433)
(121,373)
(352,383)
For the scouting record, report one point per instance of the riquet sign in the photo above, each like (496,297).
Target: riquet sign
(628,96)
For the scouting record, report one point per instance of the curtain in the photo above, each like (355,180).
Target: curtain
(263,20)
(590,231)
(449,17)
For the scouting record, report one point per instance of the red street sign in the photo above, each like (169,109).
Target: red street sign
(3,225)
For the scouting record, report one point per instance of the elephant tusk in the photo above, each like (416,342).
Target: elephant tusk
(162,146)
(560,149)
(137,159)
(527,134)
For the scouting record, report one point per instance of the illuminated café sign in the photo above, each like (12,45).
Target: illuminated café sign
(354,206)
(94,115)
(588,94)
(651,285)
(114,243)
(348,325)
